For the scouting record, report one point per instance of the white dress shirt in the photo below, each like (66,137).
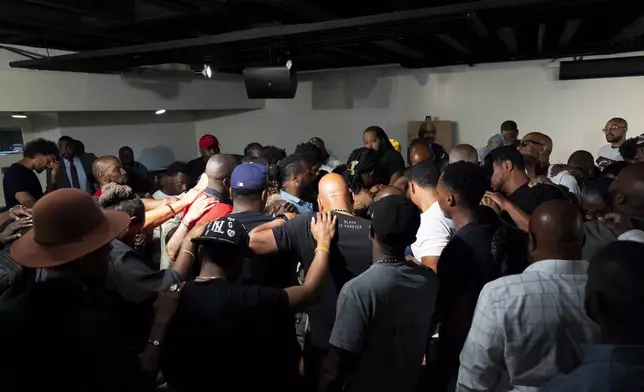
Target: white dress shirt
(80,170)
(527,328)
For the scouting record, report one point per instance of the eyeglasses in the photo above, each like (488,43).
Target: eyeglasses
(525,143)
(612,128)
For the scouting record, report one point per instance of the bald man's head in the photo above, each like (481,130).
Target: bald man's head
(614,289)
(218,169)
(584,163)
(581,159)
(556,231)
(388,191)
(463,152)
(334,194)
(427,131)
(419,151)
(108,169)
(536,145)
(627,191)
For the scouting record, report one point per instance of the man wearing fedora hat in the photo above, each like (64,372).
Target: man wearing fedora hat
(59,335)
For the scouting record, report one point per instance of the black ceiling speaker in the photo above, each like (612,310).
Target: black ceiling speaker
(602,68)
(271,82)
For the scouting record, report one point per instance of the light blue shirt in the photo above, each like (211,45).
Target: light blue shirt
(80,170)
(606,368)
(300,205)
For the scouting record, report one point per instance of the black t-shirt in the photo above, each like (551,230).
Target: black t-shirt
(389,163)
(131,287)
(57,337)
(196,167)
(479,252)
(528,199)
(350,256)
(272,271)
(230,337)
(18,178)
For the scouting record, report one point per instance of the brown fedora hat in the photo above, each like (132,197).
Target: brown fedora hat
(67,225)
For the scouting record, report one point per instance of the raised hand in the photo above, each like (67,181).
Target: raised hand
(12,231)
(19,211)
(323,227)
(198,208)
(619,223)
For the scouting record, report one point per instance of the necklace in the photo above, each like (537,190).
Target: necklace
(389,261)
(342,211)
(200,279)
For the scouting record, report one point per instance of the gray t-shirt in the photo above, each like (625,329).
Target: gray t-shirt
(384,317)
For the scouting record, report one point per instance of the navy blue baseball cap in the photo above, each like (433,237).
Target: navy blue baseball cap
(249,176)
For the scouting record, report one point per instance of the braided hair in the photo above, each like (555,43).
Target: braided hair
(121,198)
(362,160)
(285,169)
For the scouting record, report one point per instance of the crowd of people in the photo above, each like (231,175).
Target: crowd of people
(473,269)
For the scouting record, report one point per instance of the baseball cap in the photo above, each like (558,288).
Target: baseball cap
(249,176)
(395,221)
(208,141)
(640,140)
(225,231)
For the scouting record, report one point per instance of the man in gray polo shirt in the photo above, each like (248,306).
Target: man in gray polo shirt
(383,315)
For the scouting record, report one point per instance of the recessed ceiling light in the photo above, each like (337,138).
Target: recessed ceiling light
(160,111)
(18,115)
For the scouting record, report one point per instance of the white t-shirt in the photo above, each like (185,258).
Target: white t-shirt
(434,233)
(607,155)
(566,179)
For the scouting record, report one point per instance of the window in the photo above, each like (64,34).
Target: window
(10,140)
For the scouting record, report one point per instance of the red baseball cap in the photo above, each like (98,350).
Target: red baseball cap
(208,141)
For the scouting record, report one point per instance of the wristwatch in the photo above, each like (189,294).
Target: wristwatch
(282,216)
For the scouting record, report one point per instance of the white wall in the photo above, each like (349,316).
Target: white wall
(156,141)
(46,91)
(338,106)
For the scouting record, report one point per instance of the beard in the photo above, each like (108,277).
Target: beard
(308,190)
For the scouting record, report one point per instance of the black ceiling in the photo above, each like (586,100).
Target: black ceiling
(117,35)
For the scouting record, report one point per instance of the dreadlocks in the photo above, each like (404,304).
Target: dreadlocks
(385,143)
(362,160)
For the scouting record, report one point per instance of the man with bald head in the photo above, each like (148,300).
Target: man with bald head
(388,191)
(351,254)
(530,327)
(614,294)
(627,221)
(427,132)
(218,170)
(419,151)
(465,153)
(536,149)
(107,169)
(583,162)
(615,132)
